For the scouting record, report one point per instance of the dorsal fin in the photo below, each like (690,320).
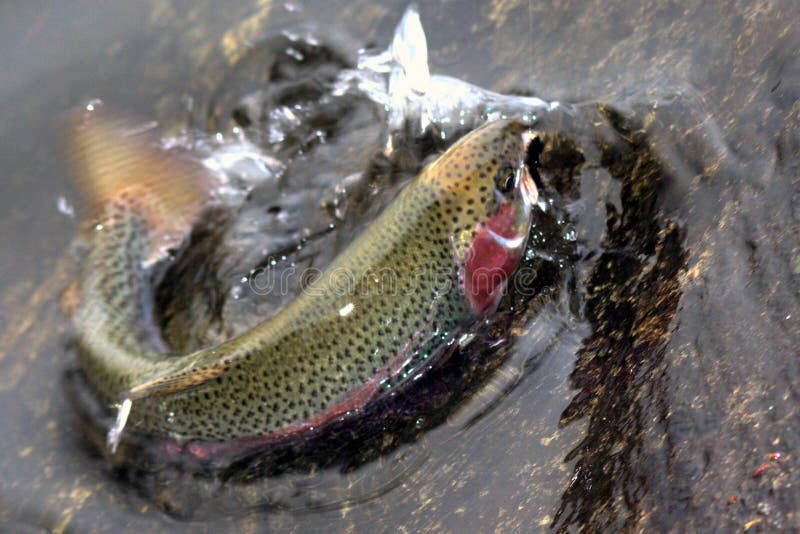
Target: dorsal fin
(112,159)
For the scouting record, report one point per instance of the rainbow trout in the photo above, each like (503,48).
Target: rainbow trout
(435,260)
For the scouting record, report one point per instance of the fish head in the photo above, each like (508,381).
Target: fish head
(484,196)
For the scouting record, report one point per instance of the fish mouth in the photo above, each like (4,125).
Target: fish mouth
(527,187)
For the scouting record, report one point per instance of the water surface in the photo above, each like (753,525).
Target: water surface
(658,373)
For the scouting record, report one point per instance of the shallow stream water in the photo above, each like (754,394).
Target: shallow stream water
(650,372)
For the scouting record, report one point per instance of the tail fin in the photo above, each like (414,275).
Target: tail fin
(111,160)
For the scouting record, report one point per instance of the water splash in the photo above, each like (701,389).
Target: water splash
(399,80)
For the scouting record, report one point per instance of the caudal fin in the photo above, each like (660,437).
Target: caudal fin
(111,160)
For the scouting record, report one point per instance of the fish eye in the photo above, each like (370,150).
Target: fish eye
(504,181)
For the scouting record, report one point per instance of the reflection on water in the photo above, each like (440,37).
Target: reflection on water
(641,385)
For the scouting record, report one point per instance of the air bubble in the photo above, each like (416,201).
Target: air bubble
(237,292)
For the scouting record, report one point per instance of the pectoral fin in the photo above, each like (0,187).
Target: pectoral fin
(191,376)
(177,381)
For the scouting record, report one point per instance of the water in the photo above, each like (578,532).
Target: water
(303,168)
(652,374)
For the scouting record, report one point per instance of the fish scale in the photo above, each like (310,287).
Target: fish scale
(381,314)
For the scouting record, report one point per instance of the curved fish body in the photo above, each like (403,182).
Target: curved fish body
(436,259)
